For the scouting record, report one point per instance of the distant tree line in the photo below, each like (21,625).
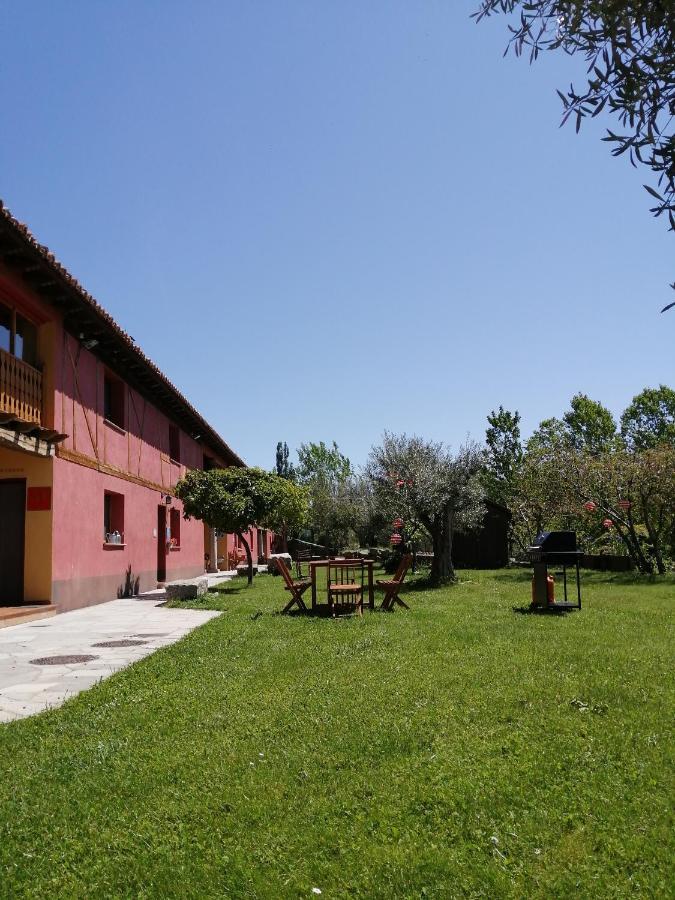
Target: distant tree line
(614,483)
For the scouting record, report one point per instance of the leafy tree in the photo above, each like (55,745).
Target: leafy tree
(370,522)
(349,516)
(587,425)
(442,492)
(235,499)
(284,468)
(541,498)
(549,436)
(327,475)
(317,461)
(590,425)
(650,419)
(504,454)
(629,46)
(633,491)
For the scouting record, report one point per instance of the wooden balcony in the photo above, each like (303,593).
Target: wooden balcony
(20,389)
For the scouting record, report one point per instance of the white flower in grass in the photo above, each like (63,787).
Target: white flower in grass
(316,890)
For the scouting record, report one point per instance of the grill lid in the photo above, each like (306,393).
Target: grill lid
(555,542)
(548,544)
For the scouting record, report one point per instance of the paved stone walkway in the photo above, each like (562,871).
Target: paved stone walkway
(27,688)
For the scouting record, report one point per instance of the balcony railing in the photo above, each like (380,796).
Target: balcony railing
(20,389)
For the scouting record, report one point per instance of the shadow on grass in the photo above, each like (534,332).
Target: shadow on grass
(322,611)
(227,588)
(542,611)
(423,584)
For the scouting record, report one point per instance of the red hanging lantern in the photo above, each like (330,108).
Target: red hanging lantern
(395,538)
(589,506)
(398,524)
(624,504)
(607,523)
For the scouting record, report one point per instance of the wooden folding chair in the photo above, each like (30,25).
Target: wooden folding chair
(297,588)
(345,585)
(392,587)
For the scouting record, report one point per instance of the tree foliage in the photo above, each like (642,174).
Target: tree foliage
(582,458)
(589,425)
(548,436)
(504,453)
(285,469)
(650,419)
(539,500)
(629,46)
(235,499)
(636,492)
(319,462)
(334,506)
(424,481)
(633,497)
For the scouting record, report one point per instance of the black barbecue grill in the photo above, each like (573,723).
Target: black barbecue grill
(557,548)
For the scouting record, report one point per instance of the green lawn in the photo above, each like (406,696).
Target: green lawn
(461,749)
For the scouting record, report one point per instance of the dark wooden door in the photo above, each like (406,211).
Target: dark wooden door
(12,532)
(161,543)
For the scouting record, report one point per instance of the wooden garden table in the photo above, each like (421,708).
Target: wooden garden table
(324,563)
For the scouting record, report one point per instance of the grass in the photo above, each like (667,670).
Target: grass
(456,750)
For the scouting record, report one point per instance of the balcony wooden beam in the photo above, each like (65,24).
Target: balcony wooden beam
(25,443)
(25,427)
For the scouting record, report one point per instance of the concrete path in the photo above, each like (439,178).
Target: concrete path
(27,687)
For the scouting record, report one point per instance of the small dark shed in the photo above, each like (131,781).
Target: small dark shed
(488,546)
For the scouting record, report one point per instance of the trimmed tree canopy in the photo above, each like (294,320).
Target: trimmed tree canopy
(234,500)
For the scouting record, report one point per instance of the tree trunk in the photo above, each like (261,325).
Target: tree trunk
(632,544)
(441,535)
(249,558)
(656,544)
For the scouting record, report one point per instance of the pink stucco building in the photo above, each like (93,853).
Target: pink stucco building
(93,438)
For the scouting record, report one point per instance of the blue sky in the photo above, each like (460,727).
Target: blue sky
(324,219)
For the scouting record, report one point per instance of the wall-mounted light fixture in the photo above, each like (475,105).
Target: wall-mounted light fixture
(167,499)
